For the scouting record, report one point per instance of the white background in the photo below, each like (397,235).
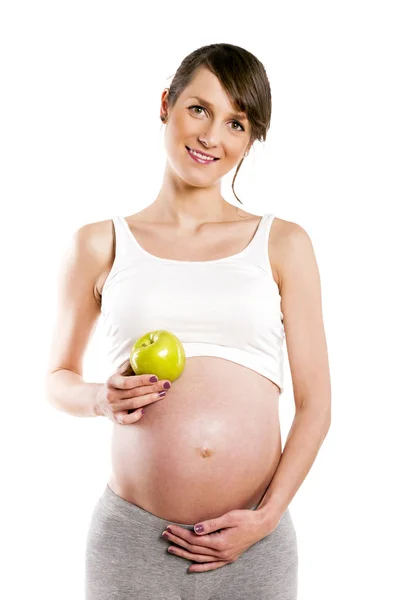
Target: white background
(81,140)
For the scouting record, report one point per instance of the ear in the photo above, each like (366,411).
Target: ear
(164,101)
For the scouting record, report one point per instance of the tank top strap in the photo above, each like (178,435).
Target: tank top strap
(258,251)
(124,246)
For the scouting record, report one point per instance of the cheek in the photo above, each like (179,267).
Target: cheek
(173,143)
(177,136)
(182,123)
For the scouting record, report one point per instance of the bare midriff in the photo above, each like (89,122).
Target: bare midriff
(213,443)
(210,446)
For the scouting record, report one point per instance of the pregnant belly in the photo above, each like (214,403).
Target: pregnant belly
(210,446)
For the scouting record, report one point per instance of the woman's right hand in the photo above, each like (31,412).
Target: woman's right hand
(123,395)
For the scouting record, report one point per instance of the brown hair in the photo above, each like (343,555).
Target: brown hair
(242,76)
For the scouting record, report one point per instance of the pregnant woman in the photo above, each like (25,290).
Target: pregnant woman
(232,286)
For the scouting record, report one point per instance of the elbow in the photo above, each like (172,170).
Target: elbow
(320,411)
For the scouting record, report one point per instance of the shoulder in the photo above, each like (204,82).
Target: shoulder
(99,242)
(288,233)
(290,244)
(97,237)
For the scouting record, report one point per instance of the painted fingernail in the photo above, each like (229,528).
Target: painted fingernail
(172,550)
(153,379)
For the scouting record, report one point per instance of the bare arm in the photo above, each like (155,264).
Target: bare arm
(69,392)
(77,315)
(308,357)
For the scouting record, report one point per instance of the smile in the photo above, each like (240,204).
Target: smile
(199,158)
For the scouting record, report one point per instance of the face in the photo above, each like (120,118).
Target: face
(213,127)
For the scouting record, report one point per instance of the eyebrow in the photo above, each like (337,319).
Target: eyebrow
(210,105)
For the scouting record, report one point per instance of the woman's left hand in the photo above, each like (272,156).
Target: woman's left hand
(223,539)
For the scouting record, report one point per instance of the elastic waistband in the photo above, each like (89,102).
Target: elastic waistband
(132,512)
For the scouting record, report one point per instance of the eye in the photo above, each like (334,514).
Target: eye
(202,108)
(196,106)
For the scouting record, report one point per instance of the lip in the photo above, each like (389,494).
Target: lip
(202,152)
(198,161)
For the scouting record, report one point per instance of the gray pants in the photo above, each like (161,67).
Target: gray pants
(127,559)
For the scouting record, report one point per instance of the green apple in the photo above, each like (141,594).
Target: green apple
(160,353)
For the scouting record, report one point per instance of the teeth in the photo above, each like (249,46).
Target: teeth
(201,156)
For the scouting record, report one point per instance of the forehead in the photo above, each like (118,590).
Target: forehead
(206,88)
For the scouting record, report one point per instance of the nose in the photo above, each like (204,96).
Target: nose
(211,137)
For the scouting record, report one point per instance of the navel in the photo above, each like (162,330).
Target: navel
(205,452)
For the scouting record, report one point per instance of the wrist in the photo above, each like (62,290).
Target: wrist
(97,403)
(268,516)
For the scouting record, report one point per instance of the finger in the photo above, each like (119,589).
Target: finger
(124,418)
(190,546)
(126,383)
(137,402)
(207,567)
(120,397)
(213,541)
(177,551)
(125,368)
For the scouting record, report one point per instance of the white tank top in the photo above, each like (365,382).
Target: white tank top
(229,307)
